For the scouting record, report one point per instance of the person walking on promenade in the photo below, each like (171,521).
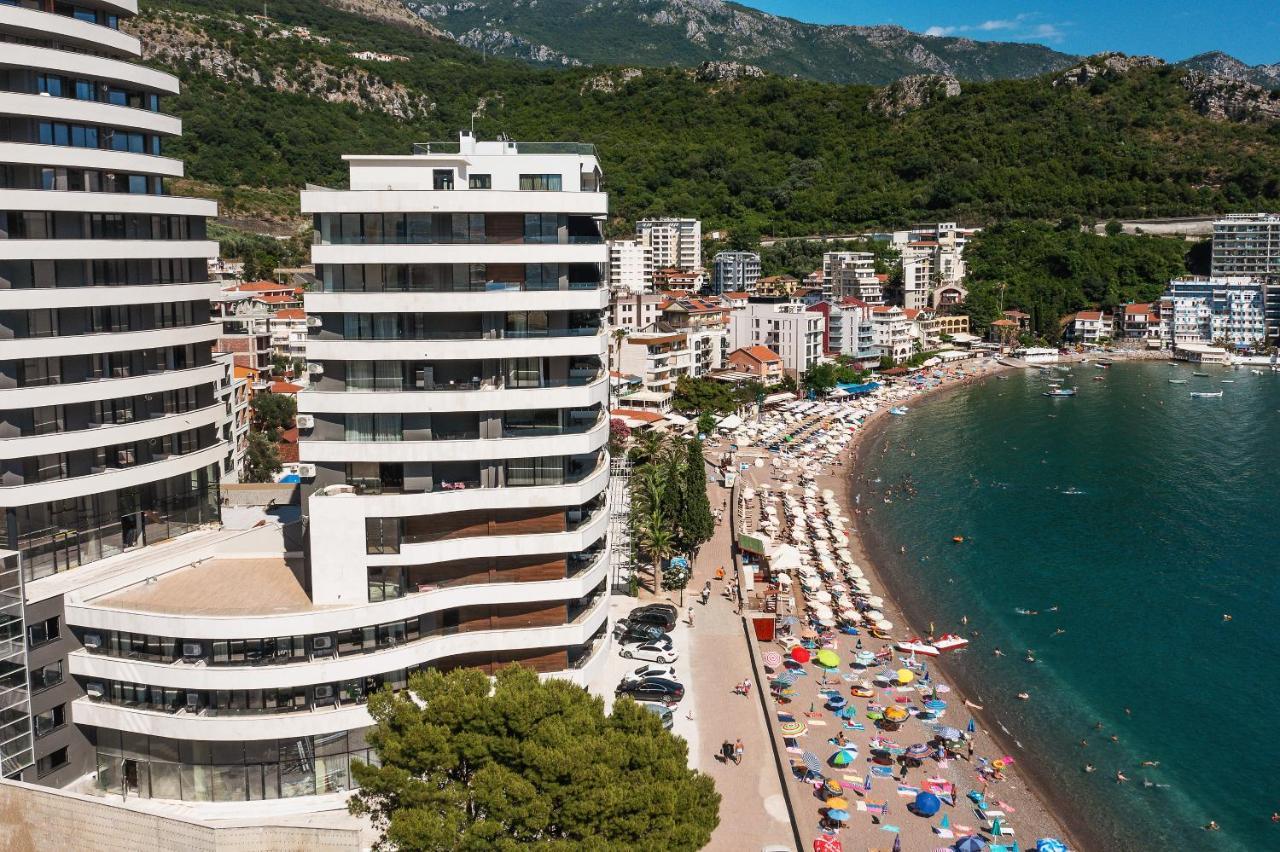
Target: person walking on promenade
(691,615)
(706,593)
(738,751)
(720,573)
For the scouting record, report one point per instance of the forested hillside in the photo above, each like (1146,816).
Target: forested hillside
(267,109)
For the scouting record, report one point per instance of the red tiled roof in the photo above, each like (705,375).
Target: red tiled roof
(291,314)
(1004,322)
(264,287)
(285,387)
(735,294)
(1089,315)
(763,354)
(853,302)
(637,414)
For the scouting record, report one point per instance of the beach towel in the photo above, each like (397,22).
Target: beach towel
(893,828)
(946,834)
(882,771)
(877,808)
(855,726)
(908,790)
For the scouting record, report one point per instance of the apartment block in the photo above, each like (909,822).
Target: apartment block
(675,243)
(1230,309)
(1246,244)
(630,267)
(783,325)
(735,271)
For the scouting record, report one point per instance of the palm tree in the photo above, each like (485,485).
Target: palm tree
(658,540)
(648,446)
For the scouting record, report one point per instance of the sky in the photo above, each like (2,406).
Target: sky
(1171,29)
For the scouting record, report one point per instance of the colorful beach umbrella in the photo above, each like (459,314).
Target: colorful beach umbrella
(896,714)
(838,803)
(792,728)
(800,654)
(771,659)
(905,676)
(838,815)
(918,751)
(927,804)
(950,734)
(811,762)
(827,843)
(1050,844)
(971,843)
(828,659)
(843,757)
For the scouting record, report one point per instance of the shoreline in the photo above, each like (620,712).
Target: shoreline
(1052,814)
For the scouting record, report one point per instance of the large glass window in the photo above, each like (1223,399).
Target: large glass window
(551,183)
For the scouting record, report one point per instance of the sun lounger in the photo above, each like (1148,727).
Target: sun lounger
(1005,830)
(990,813)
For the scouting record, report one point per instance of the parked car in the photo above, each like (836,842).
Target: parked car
(652,651)
(627,640)
(651,670)
(653,689)
(662,711)
(661,617)
(625,631)
(665,607)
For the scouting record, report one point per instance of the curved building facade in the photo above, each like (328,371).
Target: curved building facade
(108,438)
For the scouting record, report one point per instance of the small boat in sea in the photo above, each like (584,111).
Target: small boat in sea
(949,642)
(1227,382)
(1102,365)
(1201,375)
(1060,392)
(899,411)
(1099,378)
(1205,394)
(1177,381)
(1256,372)
(916,646)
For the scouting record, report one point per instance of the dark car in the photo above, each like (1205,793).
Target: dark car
(660,606)
(653,689)
(625,631)
(661,617)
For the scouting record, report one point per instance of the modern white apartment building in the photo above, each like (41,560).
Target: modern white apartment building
(1246,244)
(630,312)
(705,322)
(630,267)
(676,243)
(893,332)
(453,436)
(848,328)
(233,428)
(659,359)
(735,271)
(109,418)
(784,325)
(1209,310)
(288,328)
(852,275)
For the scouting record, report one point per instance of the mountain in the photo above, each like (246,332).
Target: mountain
(688,32)
(270,104)
(1218,64)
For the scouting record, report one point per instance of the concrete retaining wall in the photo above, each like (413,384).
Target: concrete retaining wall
(260,494)
(39,818)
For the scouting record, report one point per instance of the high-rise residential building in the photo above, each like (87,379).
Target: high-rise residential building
(735,271)
(453,437)
(851,275)
(784,325)
(1246,244)
(1212,310)
(109,419)
(676,243)
(630,267)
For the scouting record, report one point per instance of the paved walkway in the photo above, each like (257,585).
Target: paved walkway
(753,812)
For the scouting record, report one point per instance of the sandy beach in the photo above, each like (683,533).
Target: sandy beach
(1012,797)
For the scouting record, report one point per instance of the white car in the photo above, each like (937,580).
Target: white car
(651,670)
(653,651)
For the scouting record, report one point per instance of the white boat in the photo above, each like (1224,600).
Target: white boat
(1177,381)
(915,646)
(1227,382)
(899,411)
(1256,372)
(1205,394)
(950,641)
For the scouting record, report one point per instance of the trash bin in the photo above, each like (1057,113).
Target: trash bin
(763,627)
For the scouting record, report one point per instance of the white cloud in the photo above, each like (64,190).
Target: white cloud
(1019,28)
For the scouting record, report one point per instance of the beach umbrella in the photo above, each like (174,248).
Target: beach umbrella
(972,843)
(927,804)
(838,803)
(771,659)
(834,787)
(843,757)
(800,654)
(950,734)
(874,615)
(790,619)
(918,751)
(784,679)
(896,714)
(823,597)
(838,815)
(897,843)
(884,625)
(875,601)
(827,843)
(905,676)
(811,762)
(794,728)
(835,702)
(1050,844)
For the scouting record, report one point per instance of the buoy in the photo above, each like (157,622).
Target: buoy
(958,539)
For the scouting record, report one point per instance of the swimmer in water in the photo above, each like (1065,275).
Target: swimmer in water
(1059,632)
(1089,767)
(1120,777)
(1150,763)
(997,653)
(1226,617)
(1023,696)
(1031,658)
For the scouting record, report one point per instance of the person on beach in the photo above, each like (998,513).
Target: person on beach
(720,573)
(690,615)
(738,751)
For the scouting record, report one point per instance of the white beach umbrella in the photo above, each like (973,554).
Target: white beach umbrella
(874,615)
(875,601)
(884,625)
(823,597)
(822,610)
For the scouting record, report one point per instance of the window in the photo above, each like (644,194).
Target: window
(442,178)
(42,631)
(549,183)
(50,720)
(480,182)
(51,761)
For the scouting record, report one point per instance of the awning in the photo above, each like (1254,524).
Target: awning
(759,544)
(778,398)
(730,423)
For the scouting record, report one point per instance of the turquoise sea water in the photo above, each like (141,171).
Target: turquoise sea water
(1176,524)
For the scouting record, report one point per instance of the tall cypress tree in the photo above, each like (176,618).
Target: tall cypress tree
(696,522)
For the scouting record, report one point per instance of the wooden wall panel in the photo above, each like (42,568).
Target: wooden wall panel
(504,227)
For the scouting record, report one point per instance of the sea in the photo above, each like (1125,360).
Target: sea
(1129,539)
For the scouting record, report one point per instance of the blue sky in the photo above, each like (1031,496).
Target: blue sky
(1171,29)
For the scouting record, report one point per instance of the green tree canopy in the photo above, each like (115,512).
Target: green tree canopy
(262,460)
(473,764)
(274,411)
(697,524)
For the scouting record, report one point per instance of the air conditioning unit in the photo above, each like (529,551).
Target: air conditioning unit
(192,649)
(321,643)
(324,692)
(95,690)
(307,471)
(315,322)
(306,421)
(92,641)
(315,369)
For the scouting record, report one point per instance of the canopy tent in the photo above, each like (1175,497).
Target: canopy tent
(728,424)
(784,557)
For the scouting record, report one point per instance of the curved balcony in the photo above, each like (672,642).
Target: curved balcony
(570,444)
(584,395)
(84,65)
(33,154)
(65,394)
(590,342)
(34,298)
(105,249)
(490,546)
(182,675)
(347,505)
(514,253)
(90,112)
(110,479)
(107,202)
(108,434)
(122,341)
(458,301)
(32,24)
(190,726)
(436,201)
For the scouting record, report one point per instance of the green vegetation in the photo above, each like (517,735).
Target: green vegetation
(823,378)
(1051,271)
(262,460)
(670,513)
(273,412)
(798,258)
(772,155)
(261,254)
(514,763)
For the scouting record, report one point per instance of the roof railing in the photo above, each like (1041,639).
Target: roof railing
(583,149)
